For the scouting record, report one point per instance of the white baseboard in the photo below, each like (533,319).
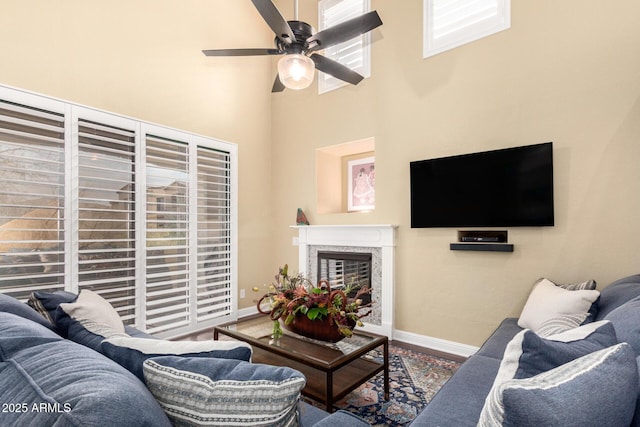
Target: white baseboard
(434,343)
(244,312)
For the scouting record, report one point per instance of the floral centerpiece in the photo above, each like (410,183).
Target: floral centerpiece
(310,309)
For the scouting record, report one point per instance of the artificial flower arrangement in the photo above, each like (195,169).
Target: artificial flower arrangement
(292,296)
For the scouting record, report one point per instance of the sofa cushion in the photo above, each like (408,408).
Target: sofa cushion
(626,321)
(9,304)
(205,391)
(528,354)
(495,345)
(599,389)
(459,402)
(132,352)
(547,301)
(17,332)
(59,382)
(618,293)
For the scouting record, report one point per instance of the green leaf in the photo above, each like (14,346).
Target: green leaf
(289,319)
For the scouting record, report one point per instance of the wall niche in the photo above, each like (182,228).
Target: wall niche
(332,175)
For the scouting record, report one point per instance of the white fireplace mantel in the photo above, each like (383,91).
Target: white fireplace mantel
(357,236)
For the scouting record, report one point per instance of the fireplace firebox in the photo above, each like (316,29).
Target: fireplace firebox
(342,269)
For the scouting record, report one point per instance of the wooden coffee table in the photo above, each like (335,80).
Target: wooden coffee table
(332,370)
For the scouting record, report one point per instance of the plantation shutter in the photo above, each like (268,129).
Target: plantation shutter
(354,53)
(106,214)
(144,215)
(32,209)
(451,23)
(214,239)
(168,254)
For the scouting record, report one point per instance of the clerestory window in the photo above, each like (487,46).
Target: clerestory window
(354,53)
(448,24)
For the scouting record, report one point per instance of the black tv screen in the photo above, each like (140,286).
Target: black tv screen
(511,187)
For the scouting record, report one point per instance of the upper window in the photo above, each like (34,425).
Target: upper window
(452,23)
(354,53)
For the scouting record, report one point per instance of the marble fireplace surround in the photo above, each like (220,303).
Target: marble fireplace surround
(379,240)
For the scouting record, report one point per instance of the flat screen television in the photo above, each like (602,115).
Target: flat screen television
(510,187)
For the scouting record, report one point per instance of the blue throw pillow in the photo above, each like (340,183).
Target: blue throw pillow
(528,354)
(626,321)
(599,389)
(205,391)
(46,303)
(131,352)
(9,304)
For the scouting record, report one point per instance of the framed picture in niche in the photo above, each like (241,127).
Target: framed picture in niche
(361,184)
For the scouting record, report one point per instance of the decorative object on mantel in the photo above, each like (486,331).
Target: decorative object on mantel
(301,218)
(312,311)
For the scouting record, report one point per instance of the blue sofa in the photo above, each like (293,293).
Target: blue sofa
(461,400)
(47,379)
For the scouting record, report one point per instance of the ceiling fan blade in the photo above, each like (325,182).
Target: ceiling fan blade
(336,69)
(344,31)
(242,52)
(275,20)
(277,85)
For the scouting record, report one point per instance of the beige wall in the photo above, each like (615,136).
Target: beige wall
(567,72)
(142,59)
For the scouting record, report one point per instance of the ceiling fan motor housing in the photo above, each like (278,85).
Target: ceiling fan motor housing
(302,31)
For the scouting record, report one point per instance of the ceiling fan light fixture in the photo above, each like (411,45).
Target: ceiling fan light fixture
(296,71)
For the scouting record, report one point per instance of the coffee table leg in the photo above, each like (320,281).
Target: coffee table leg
(386,370)
(329,392)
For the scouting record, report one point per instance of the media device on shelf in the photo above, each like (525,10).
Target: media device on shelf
(511,187)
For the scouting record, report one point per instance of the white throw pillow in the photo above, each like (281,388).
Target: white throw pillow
(95,314)
(548,301)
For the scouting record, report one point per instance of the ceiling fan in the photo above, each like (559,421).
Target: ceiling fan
(298,42)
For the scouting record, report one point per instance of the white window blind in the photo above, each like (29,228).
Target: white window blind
(32,162)
(106,214)
(354,53)
(452,23)
(167,256)
(141,214)
(214,234)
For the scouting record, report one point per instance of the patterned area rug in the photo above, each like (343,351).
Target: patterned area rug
(414,378)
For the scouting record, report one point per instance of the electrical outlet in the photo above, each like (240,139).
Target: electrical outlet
(242,294)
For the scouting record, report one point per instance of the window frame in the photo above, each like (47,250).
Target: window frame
(471,32)
(72,114)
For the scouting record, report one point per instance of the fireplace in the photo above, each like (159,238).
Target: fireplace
(346,270)
(357,242)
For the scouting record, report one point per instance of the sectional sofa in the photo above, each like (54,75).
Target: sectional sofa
(68,360)
(570,359)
